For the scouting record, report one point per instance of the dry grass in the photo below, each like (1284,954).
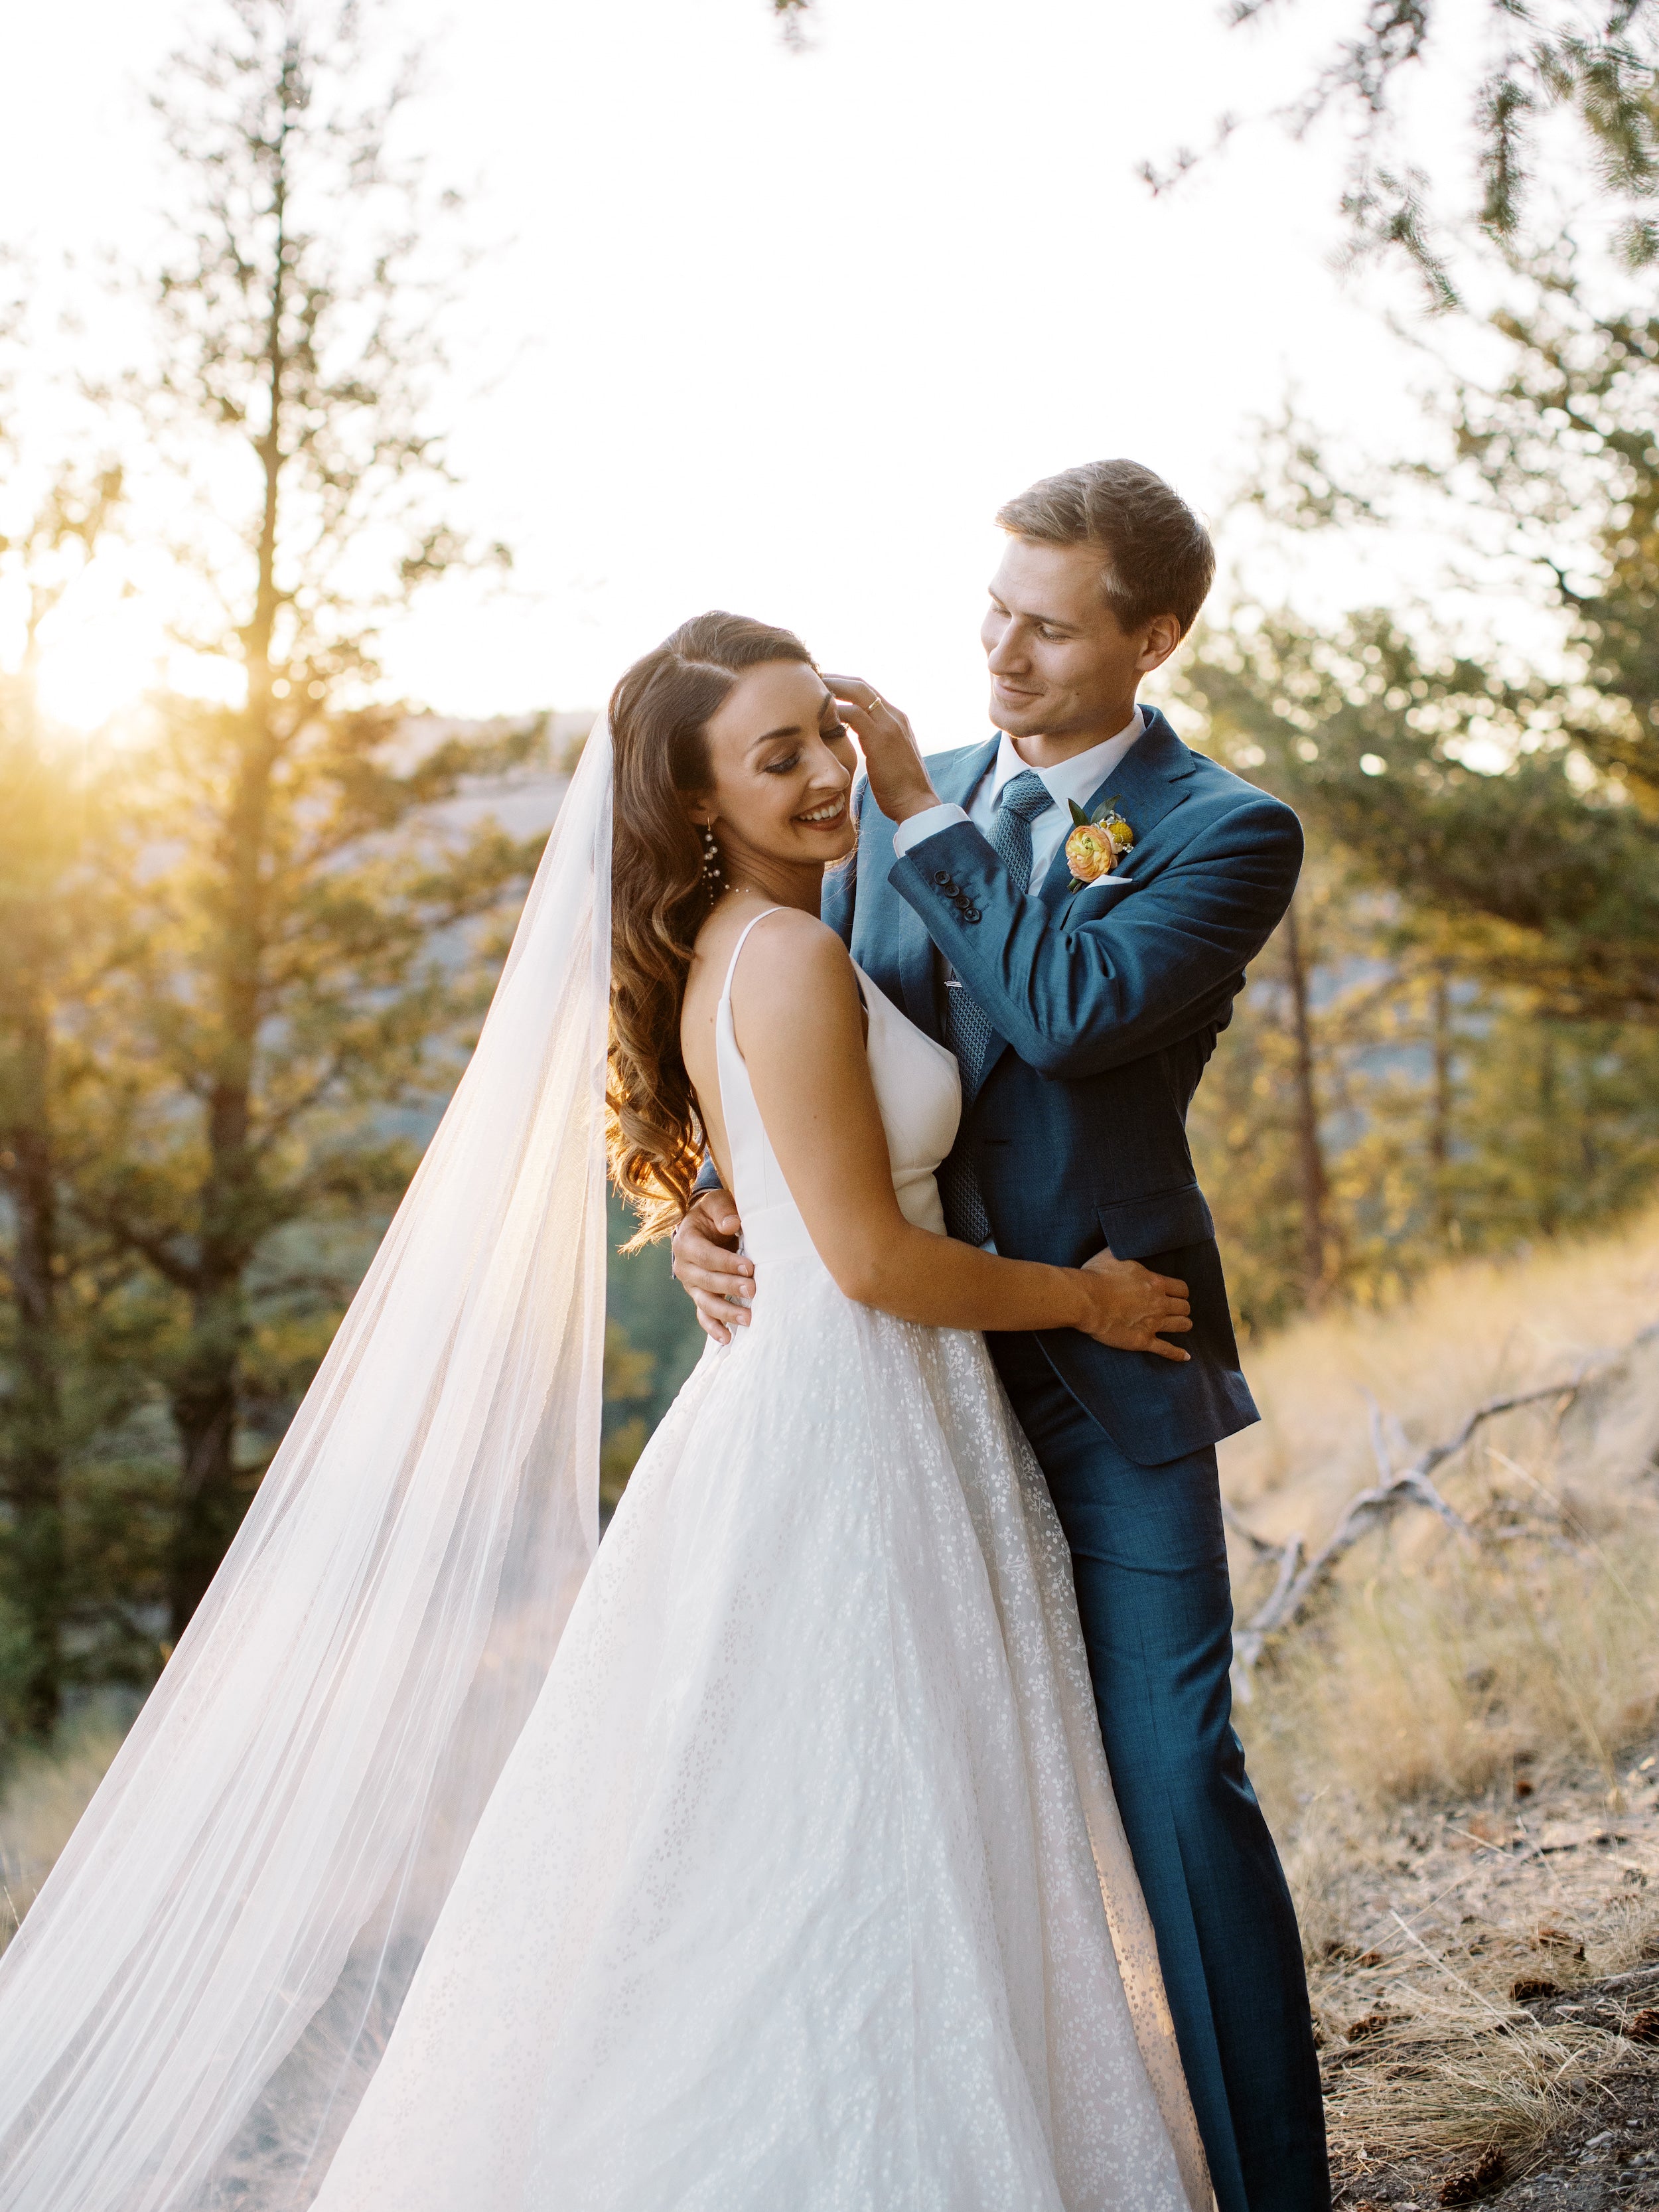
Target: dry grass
(1441,1670)
(1471,1332)
(1451,1747)
(1455,2081)
(43,1799)
(1418,1929)
(1441,1662)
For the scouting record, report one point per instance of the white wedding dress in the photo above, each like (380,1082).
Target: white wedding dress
(800,1888)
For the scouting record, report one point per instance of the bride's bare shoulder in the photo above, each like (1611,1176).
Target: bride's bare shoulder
(794,966)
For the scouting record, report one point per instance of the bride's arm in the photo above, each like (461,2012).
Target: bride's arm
(797,1014)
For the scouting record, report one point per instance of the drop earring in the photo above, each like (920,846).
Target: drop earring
(714,876)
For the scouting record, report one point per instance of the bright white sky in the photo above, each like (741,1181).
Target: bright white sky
(777,331)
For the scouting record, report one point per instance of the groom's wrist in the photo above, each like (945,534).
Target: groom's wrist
(921,801)
(924,821)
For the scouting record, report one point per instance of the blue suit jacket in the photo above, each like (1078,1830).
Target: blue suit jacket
(1105,1004)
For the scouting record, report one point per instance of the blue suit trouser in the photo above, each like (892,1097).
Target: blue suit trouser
(1150,1561)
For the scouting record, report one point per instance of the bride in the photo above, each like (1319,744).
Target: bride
(764,1857)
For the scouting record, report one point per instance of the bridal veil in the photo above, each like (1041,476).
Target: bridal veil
(193,2005)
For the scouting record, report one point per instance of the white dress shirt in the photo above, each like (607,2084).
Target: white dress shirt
(1079,779)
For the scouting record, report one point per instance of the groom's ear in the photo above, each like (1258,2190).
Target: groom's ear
(1157,642)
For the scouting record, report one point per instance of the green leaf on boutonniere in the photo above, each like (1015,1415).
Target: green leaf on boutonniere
(1077,814)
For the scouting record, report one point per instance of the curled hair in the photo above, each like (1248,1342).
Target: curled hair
(660,715)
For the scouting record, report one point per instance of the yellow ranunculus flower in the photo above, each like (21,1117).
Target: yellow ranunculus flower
(1089,853)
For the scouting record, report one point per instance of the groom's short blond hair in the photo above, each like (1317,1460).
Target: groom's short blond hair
(1158,559)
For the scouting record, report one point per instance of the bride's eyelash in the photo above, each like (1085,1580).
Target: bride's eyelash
(828,732)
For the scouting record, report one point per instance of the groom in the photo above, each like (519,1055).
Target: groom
(1082,1013)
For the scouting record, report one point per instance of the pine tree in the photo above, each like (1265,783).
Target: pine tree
(1547,865)
(298,967)
(1595,66)
(1469,1056)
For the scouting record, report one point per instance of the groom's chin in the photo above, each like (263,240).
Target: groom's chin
(1018,717)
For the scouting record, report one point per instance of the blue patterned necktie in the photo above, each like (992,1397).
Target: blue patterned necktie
(1021,800)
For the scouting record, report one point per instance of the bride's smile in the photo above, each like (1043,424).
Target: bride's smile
(827,816)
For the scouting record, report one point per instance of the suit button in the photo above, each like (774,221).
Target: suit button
(971,914)
(941,876)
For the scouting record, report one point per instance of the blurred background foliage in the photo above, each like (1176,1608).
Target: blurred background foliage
(1460,1020)
(247,948)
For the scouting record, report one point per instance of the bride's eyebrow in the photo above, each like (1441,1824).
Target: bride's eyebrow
(789,729)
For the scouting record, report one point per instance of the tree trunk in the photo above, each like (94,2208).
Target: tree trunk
(1548,1174)
(204,1397)
(1445,1224)
(35,1470)
(1313,1184)
(204,1404)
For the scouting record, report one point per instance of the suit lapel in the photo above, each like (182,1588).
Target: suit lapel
(1145,785)
(955,778)
(958,776)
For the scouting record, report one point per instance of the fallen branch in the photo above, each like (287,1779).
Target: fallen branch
(1628,1981)
(1242,1530)
(1299,1582)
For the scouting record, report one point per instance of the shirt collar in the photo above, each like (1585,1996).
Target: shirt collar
(1075,780)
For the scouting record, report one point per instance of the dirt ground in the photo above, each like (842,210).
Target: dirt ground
(1486,1995)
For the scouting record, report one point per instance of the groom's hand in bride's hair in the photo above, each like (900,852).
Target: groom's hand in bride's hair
(899,783)
(708,1266)
(1134,1310)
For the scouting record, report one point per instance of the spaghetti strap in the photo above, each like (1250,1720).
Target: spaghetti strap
(732,965)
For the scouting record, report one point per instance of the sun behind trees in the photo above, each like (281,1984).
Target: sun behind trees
(288,981)
(261,935)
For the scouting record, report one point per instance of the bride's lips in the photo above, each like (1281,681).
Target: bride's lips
(830,816)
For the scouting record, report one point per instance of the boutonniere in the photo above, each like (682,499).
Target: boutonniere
(1094,848)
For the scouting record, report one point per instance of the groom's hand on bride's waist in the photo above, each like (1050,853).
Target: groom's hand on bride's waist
(707,1264)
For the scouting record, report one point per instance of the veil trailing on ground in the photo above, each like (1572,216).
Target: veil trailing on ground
(195,2003)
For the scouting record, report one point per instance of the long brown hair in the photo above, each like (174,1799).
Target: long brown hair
(659,714)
